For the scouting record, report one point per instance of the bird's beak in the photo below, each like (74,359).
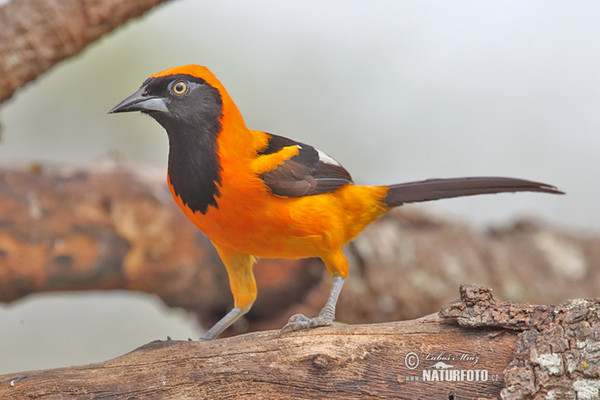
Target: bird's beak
(139,101)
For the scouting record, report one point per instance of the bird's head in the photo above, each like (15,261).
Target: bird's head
(189,95)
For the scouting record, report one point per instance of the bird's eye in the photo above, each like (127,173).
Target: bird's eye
(180,88)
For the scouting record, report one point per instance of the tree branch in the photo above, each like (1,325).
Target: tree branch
(37,34)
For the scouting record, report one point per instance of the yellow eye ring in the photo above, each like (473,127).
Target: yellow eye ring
(180,87)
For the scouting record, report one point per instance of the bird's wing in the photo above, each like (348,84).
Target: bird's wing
(294,169)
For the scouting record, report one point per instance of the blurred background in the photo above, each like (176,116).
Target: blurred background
(394,90)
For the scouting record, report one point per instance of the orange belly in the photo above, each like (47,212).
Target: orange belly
(259,223)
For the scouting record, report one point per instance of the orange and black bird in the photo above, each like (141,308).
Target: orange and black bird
(256,194)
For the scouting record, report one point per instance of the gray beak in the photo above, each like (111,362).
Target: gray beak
(140,102)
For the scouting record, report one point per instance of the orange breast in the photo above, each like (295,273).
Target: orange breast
(251,220)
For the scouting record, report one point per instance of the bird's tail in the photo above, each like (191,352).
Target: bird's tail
(434,189)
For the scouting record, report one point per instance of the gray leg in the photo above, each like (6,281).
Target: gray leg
(325,317)
(225,322)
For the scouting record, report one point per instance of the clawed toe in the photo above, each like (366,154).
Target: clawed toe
(299,322)
(296,322)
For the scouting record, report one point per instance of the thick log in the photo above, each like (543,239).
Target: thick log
(475,351)
(113,225)
(37,34)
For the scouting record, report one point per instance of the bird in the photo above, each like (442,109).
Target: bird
(257,194)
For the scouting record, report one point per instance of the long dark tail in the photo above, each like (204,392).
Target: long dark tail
(434,189)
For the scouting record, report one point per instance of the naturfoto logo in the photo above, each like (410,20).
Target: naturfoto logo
(447,367)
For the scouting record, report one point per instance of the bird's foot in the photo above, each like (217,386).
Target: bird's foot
(299,322)
(326,316)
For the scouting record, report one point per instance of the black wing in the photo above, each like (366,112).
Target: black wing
(308,173)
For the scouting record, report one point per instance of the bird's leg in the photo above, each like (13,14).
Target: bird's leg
(243,288)
(225,322)
(325,317)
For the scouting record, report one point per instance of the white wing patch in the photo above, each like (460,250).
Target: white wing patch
(327,159)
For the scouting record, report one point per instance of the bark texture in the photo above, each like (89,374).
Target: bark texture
(37,34)
(557,356)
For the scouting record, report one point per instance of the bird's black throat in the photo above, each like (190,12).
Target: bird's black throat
(194,170)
